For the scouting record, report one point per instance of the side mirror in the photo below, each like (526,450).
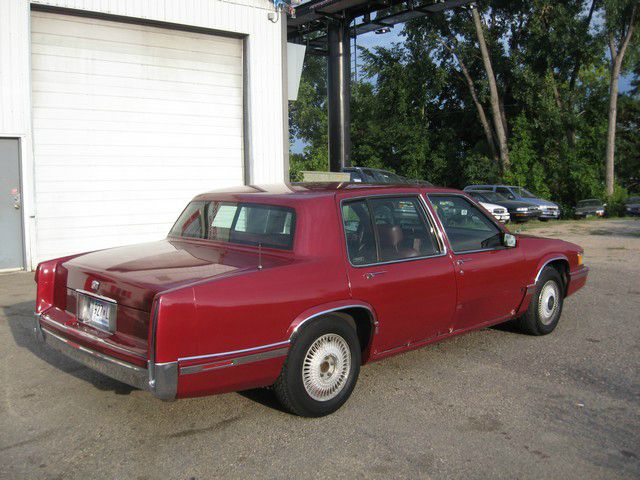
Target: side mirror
(509,240)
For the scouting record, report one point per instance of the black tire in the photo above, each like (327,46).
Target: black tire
(290,387)
(536,320)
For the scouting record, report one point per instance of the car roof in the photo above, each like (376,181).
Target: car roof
(314,190)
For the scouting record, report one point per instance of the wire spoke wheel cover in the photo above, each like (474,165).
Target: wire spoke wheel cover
(548,302)
(326,367)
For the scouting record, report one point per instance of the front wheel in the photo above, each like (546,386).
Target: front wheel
(543,314)
(321,369)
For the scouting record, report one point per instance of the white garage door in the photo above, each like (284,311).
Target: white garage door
(129,122)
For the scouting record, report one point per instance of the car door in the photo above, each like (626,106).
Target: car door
(489,276)
(397,263)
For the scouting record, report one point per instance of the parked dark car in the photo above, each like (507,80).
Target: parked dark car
(519,211)
(591,207)
(632,206)
(377,176)
(548,210)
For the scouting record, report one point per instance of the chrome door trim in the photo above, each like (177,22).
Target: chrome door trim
(430,221)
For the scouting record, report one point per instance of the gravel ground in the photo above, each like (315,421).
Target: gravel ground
(490,404)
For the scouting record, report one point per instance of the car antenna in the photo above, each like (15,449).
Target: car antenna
(259,256)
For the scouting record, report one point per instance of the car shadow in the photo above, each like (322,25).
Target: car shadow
(20,319)
(622,231)
(509,326)
(264,396)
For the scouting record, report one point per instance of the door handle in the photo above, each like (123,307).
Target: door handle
(370,275)
(462,262)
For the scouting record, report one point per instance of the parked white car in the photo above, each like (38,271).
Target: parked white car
(500,213)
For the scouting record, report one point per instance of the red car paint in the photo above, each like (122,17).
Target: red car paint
(225,314)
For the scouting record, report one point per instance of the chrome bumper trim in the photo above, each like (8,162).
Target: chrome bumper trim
(90,337)
(583,272)
(165,382)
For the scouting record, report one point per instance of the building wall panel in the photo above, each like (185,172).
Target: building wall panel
(100,107)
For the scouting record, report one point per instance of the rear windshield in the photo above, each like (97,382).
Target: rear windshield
(244,223)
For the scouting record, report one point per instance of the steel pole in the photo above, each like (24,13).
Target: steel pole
(339,93)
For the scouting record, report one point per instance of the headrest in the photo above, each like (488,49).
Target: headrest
(390,235)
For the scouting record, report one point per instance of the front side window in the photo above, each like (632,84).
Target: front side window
(467,227)
(243,223)
(387,229)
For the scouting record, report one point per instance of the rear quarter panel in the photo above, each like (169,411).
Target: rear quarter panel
(254,308)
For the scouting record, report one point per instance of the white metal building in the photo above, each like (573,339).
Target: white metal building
(114,113)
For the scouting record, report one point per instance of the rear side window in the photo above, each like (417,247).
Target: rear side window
(386,229)
(361,243)
(243,223)
(467,228)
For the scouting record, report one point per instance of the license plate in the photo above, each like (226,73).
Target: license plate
(97,312)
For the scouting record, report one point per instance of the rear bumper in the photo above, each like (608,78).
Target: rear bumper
(159,379)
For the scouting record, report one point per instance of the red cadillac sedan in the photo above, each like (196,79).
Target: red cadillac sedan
(296,287)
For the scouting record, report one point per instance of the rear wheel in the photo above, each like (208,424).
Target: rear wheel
(321,369)
(545,308)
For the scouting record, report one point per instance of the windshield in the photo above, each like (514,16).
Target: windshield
(243,223)
(523,192)
(388,177)
(589,203)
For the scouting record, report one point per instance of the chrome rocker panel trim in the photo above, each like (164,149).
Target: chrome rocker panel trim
(165,383)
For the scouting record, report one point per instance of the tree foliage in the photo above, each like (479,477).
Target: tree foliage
(418,108)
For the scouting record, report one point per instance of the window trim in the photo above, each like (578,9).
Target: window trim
(428,218)
(287,248)
(491,219)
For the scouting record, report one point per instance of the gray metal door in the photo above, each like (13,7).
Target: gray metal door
(11,253)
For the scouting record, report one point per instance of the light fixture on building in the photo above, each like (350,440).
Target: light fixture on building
(382,30)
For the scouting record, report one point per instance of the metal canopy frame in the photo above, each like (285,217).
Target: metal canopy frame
(324,26)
